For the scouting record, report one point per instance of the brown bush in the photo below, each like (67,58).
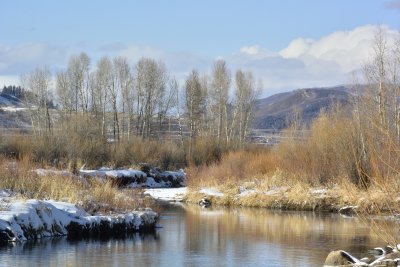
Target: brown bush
(328,151)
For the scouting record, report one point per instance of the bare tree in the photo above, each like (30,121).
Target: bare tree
(245,95)
(65,92)
(394,86)
(104,80)
(174,87)
(377,73)
(38,81)
(167,100)
(78,71)
(124,82)
(150,83)
(194,103)
(221,80)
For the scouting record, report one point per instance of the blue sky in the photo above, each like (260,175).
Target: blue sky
(191,34)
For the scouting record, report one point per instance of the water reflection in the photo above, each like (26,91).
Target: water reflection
(279,238)
(192,236)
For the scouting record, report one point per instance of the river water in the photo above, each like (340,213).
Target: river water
(192,236)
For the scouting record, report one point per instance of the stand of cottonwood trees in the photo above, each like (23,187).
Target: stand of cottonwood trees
(143,100)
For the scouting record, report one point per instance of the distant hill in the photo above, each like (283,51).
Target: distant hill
(11,96)
(13,112)
(277,111)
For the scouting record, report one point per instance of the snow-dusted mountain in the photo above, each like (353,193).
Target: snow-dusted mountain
(277,111)
(13,110)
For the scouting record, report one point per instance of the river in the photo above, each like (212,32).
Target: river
(192,236)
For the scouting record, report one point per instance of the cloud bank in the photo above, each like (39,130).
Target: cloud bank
(307,62)
(304,62)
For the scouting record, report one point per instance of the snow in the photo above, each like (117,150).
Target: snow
(45,172)
(21,220)
(6,193)
(150,183)
(276,190)
(139,179)
(167,194)
(106,172)
(12,109)
(246,192)
(318,191)
(211,191)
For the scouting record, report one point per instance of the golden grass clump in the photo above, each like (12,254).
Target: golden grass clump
(92,194)
(357,166)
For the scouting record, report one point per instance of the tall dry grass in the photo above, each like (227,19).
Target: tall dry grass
(80,141)
(91,194)
(358,165)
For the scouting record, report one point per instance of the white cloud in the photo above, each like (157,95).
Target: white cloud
(304,62)
(297,48)
(257,51)
(348,49)
(311,63)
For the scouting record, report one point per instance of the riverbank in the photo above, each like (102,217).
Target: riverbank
(264,178)
(101,203)
(301,197)
(32,219)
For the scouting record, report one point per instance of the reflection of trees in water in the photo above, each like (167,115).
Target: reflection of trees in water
(193,236)
(240,230)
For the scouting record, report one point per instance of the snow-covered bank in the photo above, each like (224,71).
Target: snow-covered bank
(148,177)
(167,194)
(33,219)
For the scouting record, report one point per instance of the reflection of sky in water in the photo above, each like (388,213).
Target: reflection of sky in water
(211,237)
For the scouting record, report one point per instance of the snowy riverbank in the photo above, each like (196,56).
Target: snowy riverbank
(290,197)
(22,220)
(168,194)
(147,177)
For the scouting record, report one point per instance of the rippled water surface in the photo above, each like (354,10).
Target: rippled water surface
(191,236)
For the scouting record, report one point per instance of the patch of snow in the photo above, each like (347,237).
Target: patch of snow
(68,207)
(105,169)
(12,109)
(276,190)
(211,191)
(318,191)
(106,172)
(167,194)
(23,220)
(246,192)
(139,179)
(6,193)
(150,183)
(44,172)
